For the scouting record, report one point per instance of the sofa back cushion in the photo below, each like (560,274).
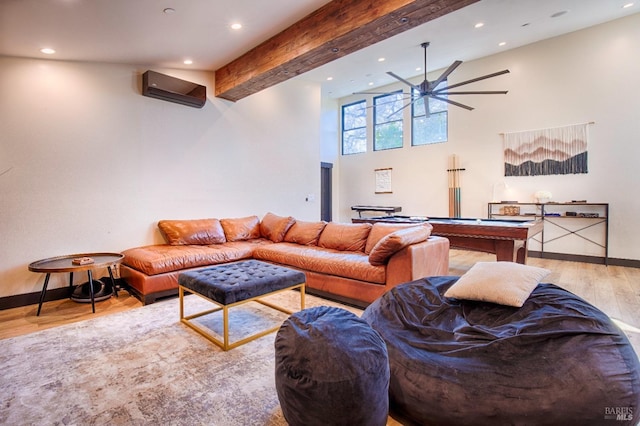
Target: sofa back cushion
(380,230)
(194,231)
(345,236)
(305,233)
(242,228)
(396,241)
(274,227)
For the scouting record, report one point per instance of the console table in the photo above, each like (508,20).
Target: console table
(572,230)
(388,210)
(66,264)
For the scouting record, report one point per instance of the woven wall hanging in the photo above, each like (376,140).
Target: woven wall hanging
(555,151)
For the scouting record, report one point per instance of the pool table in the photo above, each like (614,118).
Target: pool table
(507,239)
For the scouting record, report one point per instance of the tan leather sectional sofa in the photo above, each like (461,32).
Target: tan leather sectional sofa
(351,262)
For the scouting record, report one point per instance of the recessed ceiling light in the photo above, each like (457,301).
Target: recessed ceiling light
(236,26)
(371,83)
(47,51)
(381,59)
(168,10)
(187,62)
(479,25)
(329,78)
(419,69)
(627,5)
(502,43)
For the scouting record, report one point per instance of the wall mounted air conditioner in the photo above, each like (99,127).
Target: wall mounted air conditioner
(167,88)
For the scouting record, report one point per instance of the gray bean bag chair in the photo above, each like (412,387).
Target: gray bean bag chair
(557,360)
(331,369)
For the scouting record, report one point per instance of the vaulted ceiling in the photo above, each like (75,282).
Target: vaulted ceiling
(281,39)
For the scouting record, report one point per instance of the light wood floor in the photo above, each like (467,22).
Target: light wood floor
(23,320)
(614,289)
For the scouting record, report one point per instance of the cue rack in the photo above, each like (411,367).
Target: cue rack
(454,186)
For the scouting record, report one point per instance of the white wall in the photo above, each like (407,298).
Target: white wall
(589,75)
(89,164)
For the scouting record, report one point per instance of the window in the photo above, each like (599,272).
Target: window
(354,128)
(432,129)
(389,111)
(387,121)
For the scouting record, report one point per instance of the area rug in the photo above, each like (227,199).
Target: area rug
(145,367)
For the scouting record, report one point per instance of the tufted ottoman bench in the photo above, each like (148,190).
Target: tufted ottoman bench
(233,284)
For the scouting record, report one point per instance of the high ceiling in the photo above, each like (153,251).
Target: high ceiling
(141,32)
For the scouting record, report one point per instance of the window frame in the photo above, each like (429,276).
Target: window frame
(431,114)
(400,120)
(343,130)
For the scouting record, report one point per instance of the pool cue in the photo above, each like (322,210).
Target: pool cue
(455,193)
(451,188)
(457,186)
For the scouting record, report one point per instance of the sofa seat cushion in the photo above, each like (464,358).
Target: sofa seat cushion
(157,259)
(345,264)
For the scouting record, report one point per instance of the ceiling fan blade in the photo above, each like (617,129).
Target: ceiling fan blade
(380,93)
(397,77)
(425,98)
(473,80)
(385,103)
(481,92)
(458,104)
(406,106)
(445,74)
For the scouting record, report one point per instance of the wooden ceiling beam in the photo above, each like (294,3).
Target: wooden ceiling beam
(337,29)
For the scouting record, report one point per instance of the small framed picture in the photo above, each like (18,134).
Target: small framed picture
(383,181)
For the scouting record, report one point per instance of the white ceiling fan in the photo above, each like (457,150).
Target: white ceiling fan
(429,89)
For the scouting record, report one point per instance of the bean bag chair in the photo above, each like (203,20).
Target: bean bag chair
(331,369)
(556,360)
